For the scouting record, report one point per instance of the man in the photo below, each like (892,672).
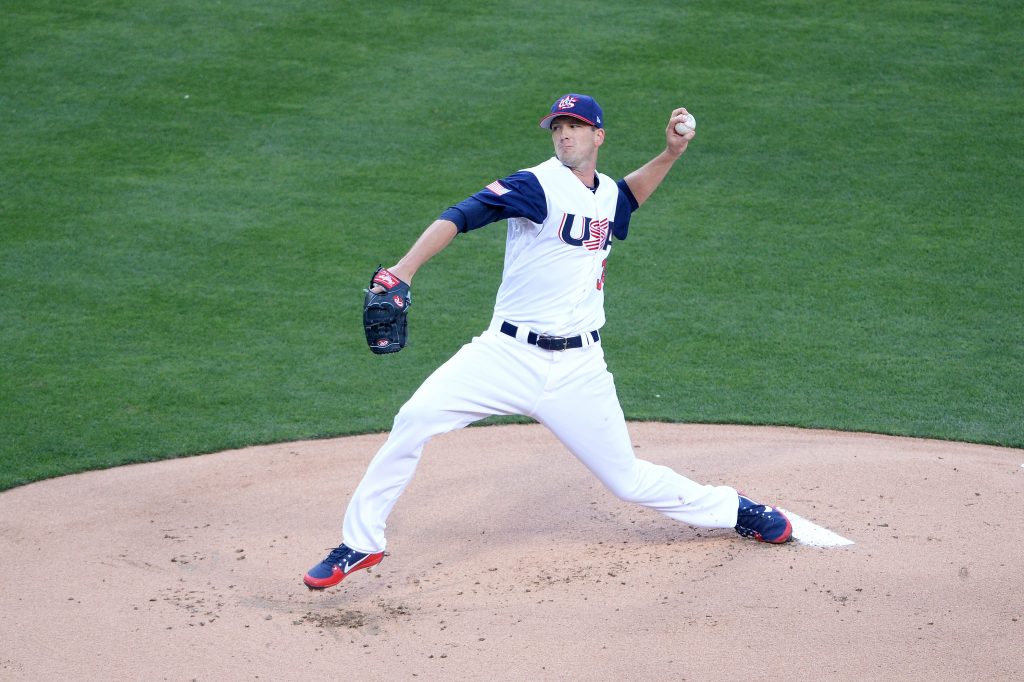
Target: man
(542,355)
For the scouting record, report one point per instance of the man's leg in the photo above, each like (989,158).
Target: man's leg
(489,376)
(586,416)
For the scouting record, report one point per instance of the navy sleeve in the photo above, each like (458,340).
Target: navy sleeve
(517,196)
(624,210)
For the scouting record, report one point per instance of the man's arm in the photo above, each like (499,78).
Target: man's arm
(434,239)
(518,195)
(644,180)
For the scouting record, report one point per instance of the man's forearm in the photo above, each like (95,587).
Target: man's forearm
(644,180)
(434,239)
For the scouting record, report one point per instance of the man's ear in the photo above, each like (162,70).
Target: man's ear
(598,137)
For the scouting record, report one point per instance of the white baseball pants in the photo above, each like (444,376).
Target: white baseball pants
(570,392)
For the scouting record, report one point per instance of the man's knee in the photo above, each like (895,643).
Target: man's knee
(626,485)
(416,413)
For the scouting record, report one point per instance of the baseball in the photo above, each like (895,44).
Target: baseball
(687,126)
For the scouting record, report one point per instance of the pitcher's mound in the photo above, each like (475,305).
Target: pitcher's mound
(508,560)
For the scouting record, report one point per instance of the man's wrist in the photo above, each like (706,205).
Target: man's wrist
(672,155)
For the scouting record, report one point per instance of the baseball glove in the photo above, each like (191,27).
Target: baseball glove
(384,313)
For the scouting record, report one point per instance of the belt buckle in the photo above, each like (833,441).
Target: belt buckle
(552,342)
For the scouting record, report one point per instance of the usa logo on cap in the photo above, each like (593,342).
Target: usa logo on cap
(583,107)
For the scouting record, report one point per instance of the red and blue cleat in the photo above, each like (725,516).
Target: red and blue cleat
(339,563)
(763,523)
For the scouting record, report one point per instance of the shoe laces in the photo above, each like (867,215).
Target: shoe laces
(752,515)
(338,554)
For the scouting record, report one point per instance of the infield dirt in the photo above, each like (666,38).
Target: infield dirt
(507,560)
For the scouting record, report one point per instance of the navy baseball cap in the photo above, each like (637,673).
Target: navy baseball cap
(582,107)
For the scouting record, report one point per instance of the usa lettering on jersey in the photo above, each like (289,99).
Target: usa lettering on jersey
(596,234)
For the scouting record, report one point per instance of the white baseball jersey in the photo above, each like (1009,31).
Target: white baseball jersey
(559,237)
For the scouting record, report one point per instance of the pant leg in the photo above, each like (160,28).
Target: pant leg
(488,376)
(583,411)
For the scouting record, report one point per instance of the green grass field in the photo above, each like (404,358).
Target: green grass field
(193,195)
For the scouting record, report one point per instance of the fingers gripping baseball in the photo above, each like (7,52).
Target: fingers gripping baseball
(385,308)
(681,129)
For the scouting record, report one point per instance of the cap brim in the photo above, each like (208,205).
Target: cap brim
(546,121)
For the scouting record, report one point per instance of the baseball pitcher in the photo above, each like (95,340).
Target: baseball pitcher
(541,355)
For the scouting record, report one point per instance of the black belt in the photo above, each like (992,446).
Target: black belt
(550,342)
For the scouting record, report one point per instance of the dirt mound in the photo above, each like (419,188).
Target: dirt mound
(507,560)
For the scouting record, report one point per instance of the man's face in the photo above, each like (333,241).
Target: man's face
(575,141)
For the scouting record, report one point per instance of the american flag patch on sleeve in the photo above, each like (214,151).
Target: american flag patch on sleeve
(498,188)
